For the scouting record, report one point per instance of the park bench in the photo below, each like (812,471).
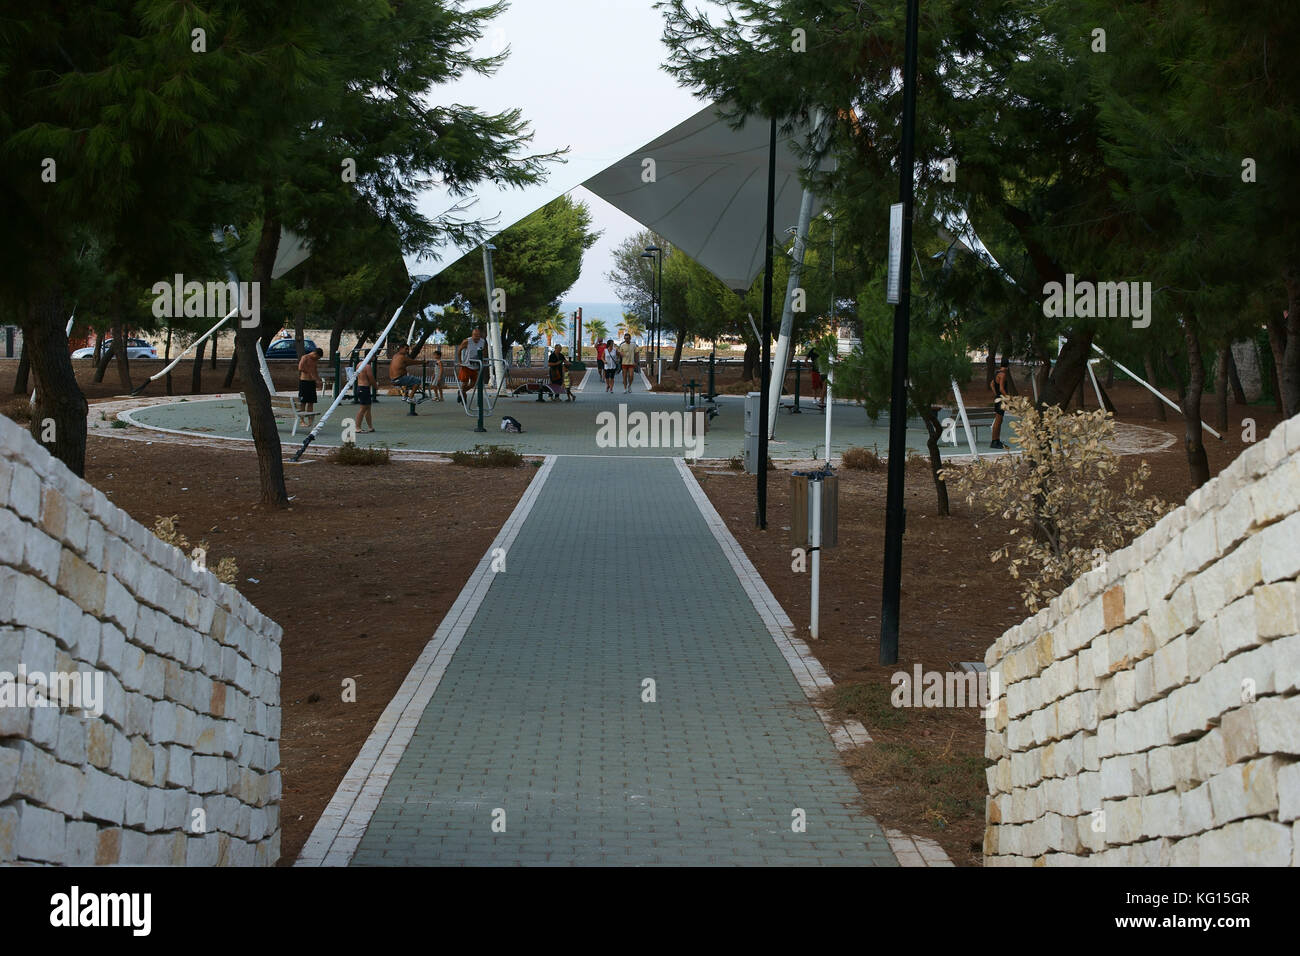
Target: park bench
(542,390)
(978,418)
(284,408)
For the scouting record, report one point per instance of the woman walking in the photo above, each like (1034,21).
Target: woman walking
(611,365)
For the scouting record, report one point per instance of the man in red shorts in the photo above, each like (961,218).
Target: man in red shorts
(470,351)
(627,355)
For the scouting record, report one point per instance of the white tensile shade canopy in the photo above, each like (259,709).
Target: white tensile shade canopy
(708,195)
(292,251)
(703,187)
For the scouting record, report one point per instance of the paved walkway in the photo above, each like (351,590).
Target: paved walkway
(527,708)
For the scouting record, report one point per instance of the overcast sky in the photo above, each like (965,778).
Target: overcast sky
(588,76)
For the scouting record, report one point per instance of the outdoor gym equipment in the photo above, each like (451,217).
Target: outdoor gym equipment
(416,282)
(482,398)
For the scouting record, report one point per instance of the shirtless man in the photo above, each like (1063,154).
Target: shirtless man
(398,375)
(470,350)
(309,379)
(365,386)
(627,351)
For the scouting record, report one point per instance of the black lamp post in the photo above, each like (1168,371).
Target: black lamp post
(895,516)
(657,297)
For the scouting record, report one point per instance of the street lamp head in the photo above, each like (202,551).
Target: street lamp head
(647,255)
(652,249)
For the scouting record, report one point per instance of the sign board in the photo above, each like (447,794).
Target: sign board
(895,252)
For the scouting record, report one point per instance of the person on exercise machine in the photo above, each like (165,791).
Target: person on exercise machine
(398,375)
(470,350)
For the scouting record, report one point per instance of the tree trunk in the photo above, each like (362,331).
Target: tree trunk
(1277,342)
(990,365)
(1041,375)
(1221,388)
(266,437)
(933,431)
(58,396)
(167,357)
(234,364)
(677,352)
(300,325)
(102,357)
(1234,380)
(123,363)
(1198,463)
(343,320)
(24,369)
(1290,377)
(1150,368)
(215,336)
(751,360)
(196,374)
(1071,366)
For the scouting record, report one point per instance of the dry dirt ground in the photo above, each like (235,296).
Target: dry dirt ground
(353,604)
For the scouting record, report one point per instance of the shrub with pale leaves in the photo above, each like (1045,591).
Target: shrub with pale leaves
(166,530)
(1065,508)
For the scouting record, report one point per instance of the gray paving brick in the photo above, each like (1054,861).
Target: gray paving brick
(540,710)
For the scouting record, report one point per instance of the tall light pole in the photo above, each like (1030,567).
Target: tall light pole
(494,322)
(895,516)
(657,300)
(765,350)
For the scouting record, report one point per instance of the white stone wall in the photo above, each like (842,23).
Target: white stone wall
(1150,714)
(191,710)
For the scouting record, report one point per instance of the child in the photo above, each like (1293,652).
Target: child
(568,384)
(437,375)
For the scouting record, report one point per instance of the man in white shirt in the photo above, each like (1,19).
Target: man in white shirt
(470,351)
(627,354)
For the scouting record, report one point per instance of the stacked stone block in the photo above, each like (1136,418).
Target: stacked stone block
(181,767)
(1150,714)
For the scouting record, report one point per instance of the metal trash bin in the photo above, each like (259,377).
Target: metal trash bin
(801,508)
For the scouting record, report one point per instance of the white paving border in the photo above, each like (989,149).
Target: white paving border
(808,671)
(341,826)
(916,851)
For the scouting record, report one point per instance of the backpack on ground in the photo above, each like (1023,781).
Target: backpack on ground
(509,424)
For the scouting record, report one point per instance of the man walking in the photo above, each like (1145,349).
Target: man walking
(365,386)
(627,353)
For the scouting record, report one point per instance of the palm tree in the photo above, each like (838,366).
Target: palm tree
(631,323)
(555,325)
(599,331)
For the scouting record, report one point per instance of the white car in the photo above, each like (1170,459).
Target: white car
(135,349)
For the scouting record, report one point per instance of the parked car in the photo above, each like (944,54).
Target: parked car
(135,349)
(284,349)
